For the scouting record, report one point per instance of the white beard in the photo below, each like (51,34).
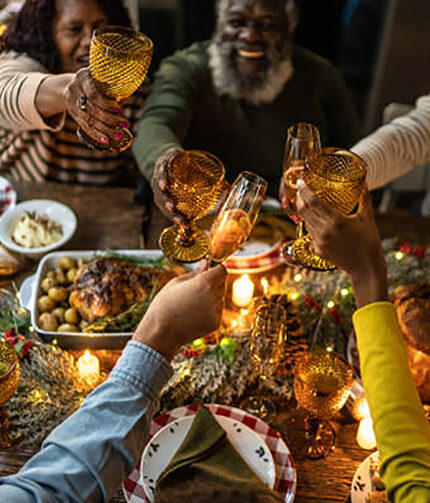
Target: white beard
(227,81)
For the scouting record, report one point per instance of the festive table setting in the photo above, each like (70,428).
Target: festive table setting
(218,370)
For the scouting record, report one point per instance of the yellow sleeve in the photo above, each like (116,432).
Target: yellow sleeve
(401,428)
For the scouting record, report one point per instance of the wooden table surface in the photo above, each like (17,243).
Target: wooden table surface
(108,218)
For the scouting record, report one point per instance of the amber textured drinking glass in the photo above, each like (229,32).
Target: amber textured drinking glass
(338,177)
(322,381)
(267,339)
(9,380)
(119,62)
(237,216)
(195,183)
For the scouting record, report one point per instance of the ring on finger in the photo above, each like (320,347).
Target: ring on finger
(81,102)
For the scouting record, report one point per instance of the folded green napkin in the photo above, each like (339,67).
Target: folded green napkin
(206,454)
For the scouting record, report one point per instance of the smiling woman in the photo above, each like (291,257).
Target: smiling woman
(46,93)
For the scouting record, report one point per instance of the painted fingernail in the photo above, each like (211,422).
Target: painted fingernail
(123,124)
(117,111)
(118,136)
(104,140)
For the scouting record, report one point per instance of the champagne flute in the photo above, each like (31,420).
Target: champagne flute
(338,177)
(195,183)
(302,139)
(237,216)
(267,340)
(119,62)
(322,381)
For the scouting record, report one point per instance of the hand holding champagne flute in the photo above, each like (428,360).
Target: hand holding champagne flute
(237,216)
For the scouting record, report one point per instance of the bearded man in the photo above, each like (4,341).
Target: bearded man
(236,95)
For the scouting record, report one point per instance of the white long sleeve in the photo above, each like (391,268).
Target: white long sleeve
(396,148)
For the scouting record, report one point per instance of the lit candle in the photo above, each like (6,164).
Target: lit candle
(365,434)
(243,291)
(88,366)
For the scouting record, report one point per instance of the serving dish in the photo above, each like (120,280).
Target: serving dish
(55,211)
(31,290)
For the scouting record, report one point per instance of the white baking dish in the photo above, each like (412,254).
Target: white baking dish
(31,290)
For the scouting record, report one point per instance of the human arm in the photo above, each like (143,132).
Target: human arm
(87,457)
(396,148)
(401,429)
(31,99)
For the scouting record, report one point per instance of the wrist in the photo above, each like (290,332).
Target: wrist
(155,336)
(370,284)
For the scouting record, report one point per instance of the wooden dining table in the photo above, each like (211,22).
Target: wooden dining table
(109,218)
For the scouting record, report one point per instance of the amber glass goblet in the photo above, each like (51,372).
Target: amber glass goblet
(268,336)
(322,381)
(119,61)
(337,177)
(9,379)
(195,183)
(237,216)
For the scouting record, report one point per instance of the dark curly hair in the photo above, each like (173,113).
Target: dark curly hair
(31,30)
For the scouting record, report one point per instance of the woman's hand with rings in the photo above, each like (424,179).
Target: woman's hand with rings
(95,114)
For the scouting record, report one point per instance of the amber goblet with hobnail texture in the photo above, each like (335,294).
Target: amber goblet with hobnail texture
(337,177)
(322,381)
(10,373)
(195,183)
(119,61)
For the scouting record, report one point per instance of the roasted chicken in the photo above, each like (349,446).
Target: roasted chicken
(109,286)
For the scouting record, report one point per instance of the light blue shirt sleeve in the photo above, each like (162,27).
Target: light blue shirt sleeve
(86,458)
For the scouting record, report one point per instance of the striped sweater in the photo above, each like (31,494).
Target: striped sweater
(34,150)
(396,148)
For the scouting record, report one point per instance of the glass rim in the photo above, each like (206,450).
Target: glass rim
(147,44)
(306,125)
(6,376)
(321,352)
(251,177)
(213,157)
(333,150)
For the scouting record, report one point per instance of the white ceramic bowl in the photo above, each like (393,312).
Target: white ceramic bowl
(57,212)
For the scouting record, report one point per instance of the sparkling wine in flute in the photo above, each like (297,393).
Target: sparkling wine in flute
(237,216)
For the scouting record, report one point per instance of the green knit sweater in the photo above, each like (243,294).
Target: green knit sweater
(184,109)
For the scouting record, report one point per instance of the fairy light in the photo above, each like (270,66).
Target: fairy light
(329,349)
(234,324)
(399,255)
(294,296)
(298,277)
(330,304)
(186,372)
(344,292)
(244,312)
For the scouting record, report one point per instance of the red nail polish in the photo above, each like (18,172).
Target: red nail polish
(118,136)
(123,124)
(104,140)
(118,111)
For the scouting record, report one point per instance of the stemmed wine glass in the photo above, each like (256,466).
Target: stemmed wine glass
(237,216)
(322,381)
(119,61)
(337,177)
(302,139)
(195,183)
(267,340)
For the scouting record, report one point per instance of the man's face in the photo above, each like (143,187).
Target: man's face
(255,33)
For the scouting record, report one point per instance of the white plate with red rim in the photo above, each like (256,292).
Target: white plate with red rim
(8,195)
(160,450)
(285,473)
